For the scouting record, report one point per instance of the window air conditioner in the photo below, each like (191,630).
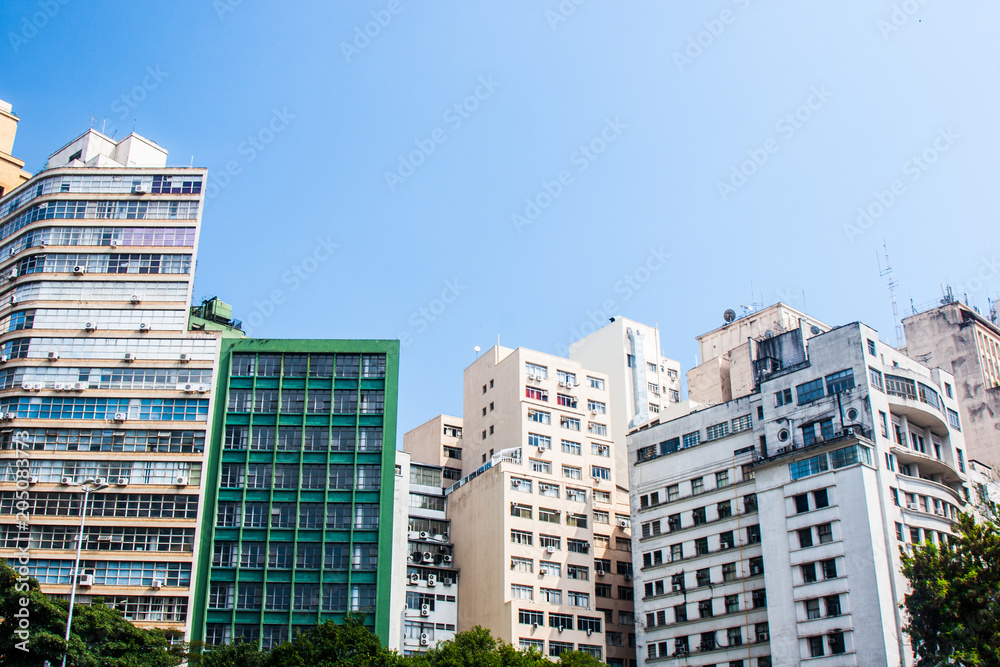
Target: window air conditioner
(447,559)
(424,639)
(414,578)
(100,480)
(78,270)
(121,481)
(135,299)
(79,386)
(130,356)
(432,580)
(425,610)
(91,326)
(157,584)
(66,480)
(32,480)
(185,356)
(53,355)
(86,580)
(120,416)
(424,534)
(447,581)
(143,326)
(550,550)
(180,481)
(140,189)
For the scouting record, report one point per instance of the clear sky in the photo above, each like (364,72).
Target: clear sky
(469,170)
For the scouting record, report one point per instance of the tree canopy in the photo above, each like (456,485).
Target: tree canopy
(954,604)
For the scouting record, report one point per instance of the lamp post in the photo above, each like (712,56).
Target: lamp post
(88,485)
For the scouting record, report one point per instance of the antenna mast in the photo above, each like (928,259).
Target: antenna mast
(892,285)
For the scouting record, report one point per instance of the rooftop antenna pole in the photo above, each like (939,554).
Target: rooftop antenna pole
(892,285)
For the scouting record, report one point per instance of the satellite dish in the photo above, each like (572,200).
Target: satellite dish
(729,315)
(476,349)
(768,334)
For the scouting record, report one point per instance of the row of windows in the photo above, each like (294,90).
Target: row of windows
(144,409)
(707,642)
(111,573)
(88,290)
(104,184)
(109,348)
(754,567)
(107,504)
(839,458)
(93,320)
(701,547)
(105,378)
(339,516)
(115,472)
(255,596)
(569,472)
(693,439)
(106,440)
(100,236)
(300,555)
(149,608)
(99,538)
(566,422)
(548,515)
(102,210)
(730,604)
(343,365)
(561,621)
(697,487)
(315,401)
(307,476)
(152,263)
(544,442)
(549,490)
(699,516)
(307,438)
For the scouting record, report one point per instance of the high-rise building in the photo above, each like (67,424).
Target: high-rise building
(540,520)
(438,442)
(966,344)
(769,526)
(643,382)
(12,173)
(101,377)
(304,492)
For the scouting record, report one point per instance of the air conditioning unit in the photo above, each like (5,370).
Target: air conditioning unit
(628,577)
(424,639)
(91,326)
(12,273)
(135,299)
(85,580)
(66,480)
(677,587)
(78,270)
(562,383)
(561,628)
(203,388)
(724,546)
(59,386)
(912,506)
(114,243)
(121,481)
(542,571)
(550,550)
(424,534)
(763,636)
(3,358)
(143,326)
(940,512)
(180,481)
(534,626)
(447,581)
(185,356)
(541,450)
(120,416)
(432,580)
(589,632)
(26,386)
(130,356)
(447,559)
(414,579)
(53,355)
(9,416)
(189,388)
(156,584)
(79,386)
(13,300)
(600,573)
(140,189)
(623,523)
(100,480)
(425,610)
(593,412)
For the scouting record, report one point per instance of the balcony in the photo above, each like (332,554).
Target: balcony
(850,433)
(927,466)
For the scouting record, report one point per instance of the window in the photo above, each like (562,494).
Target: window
(716,431)
(521,537)
(812,609)
(673,492)
(837,645)
(575,599)
(540,416)
(569,423)
(570,447)
(871,347)
(519,592)
(578,546)
(750,503)
(599,472)
(829,568)
(849,456)
(597,407)
(680,613)
(801,503)
(576,495)
(727,540)
(953,420)
(520,511)
(595,383)
(572,472)
(598,449)
(539,441)
(729,572)
(600,516)
(825,533)
(805,538)
(566,400)
(807,467)
(701,546)
(597,429)
(699,516)
(546,541)
(735,636)
(743,423)
(536,370)
(783,397)
(528,617)
(602,590)
(692,439)
(538,465)
(536,394)
(756,566)
(722,479)
(548,516)
(808,572)
(876,379)
(697,486)
(549,490)
(839,381)
(832,603)
(522,485)
(725,509)
(732,604)
(816,647)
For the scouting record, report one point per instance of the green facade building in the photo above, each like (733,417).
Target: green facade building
(298,526)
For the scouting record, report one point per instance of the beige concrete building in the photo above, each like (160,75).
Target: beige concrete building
(644,383)
(438,442)
(728,368)
(12,173)
(541,517)
(966,344)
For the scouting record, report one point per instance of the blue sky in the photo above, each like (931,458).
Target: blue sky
(521,169)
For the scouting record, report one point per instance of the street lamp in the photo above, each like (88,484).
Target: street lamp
(88,485)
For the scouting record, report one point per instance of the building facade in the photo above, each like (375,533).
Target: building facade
(299,510)
(100,378)
(438,442)
(541,519)
(770,526)
(959,339)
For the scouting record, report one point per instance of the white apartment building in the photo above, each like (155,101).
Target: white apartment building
(541,518)
(100,377)
(644,383)
(431,608)
(769,526)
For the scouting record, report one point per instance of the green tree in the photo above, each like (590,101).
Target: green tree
(579,659)
(349,644)
(954,604)
(478,648)
(238,654)
(101,637)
